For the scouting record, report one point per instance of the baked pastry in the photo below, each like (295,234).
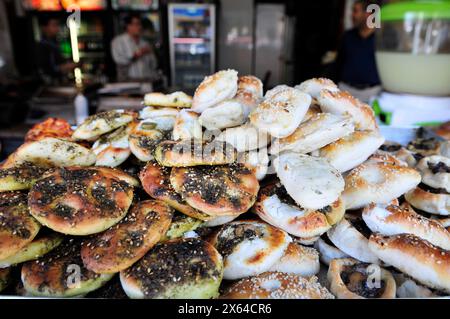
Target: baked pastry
(341,102)
(399,152)
(251,84)
(162,117)
(311,181)
(122,245)
(218,221)
(352,150)
(216,190)
(181,224)
(377,183)
(80,201)
(394,220)
(424,146)
(352,237)
(320,130)
(327,250)
(299,260)
(435,171)
(17,227)
(351,279)
(249,247)
(275,90)
(112,149)
(415,257)
(228,113)
(155,180)
(314,86)
(101,123)
(187,153)
(61,273)
(181,268)
(430,200)
(187,126)
(277,285)
(51,127)
(277,208)
(214,89)
(41,245)
(408,288)
(175,99)
(50,151)
(281,114)
(143,139)
(257,160)
(244,138)
(20,177)
(386,158)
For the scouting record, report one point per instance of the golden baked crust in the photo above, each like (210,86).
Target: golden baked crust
(377,183)
(415,257)
(155,180)
(143,139)
(20,177)
(122,245)
(40,245)
(80,201)
(217,190)
(51,127)
(277,285)
(56,274)
(17,227)
(193,153)
(307,223)
(101,123)
(430,202)
(394,220)
(351,279)
(179,268)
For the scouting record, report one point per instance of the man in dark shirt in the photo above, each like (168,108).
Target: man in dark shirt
(51,64)
(357,69)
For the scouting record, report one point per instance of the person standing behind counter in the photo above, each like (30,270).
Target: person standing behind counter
(134,58)
(51,65)
(356,66)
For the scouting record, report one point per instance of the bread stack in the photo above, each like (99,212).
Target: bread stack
(231,193)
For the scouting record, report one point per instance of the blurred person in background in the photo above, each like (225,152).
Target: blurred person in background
(52,66)
(134,57)
(356,67)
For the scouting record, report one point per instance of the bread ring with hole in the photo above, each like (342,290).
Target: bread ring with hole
(435,171)
(249,247)
(431,200)
(298,259)
(277,208)
(351,279)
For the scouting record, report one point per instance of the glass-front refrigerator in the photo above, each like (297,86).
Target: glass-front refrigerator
(192,31)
